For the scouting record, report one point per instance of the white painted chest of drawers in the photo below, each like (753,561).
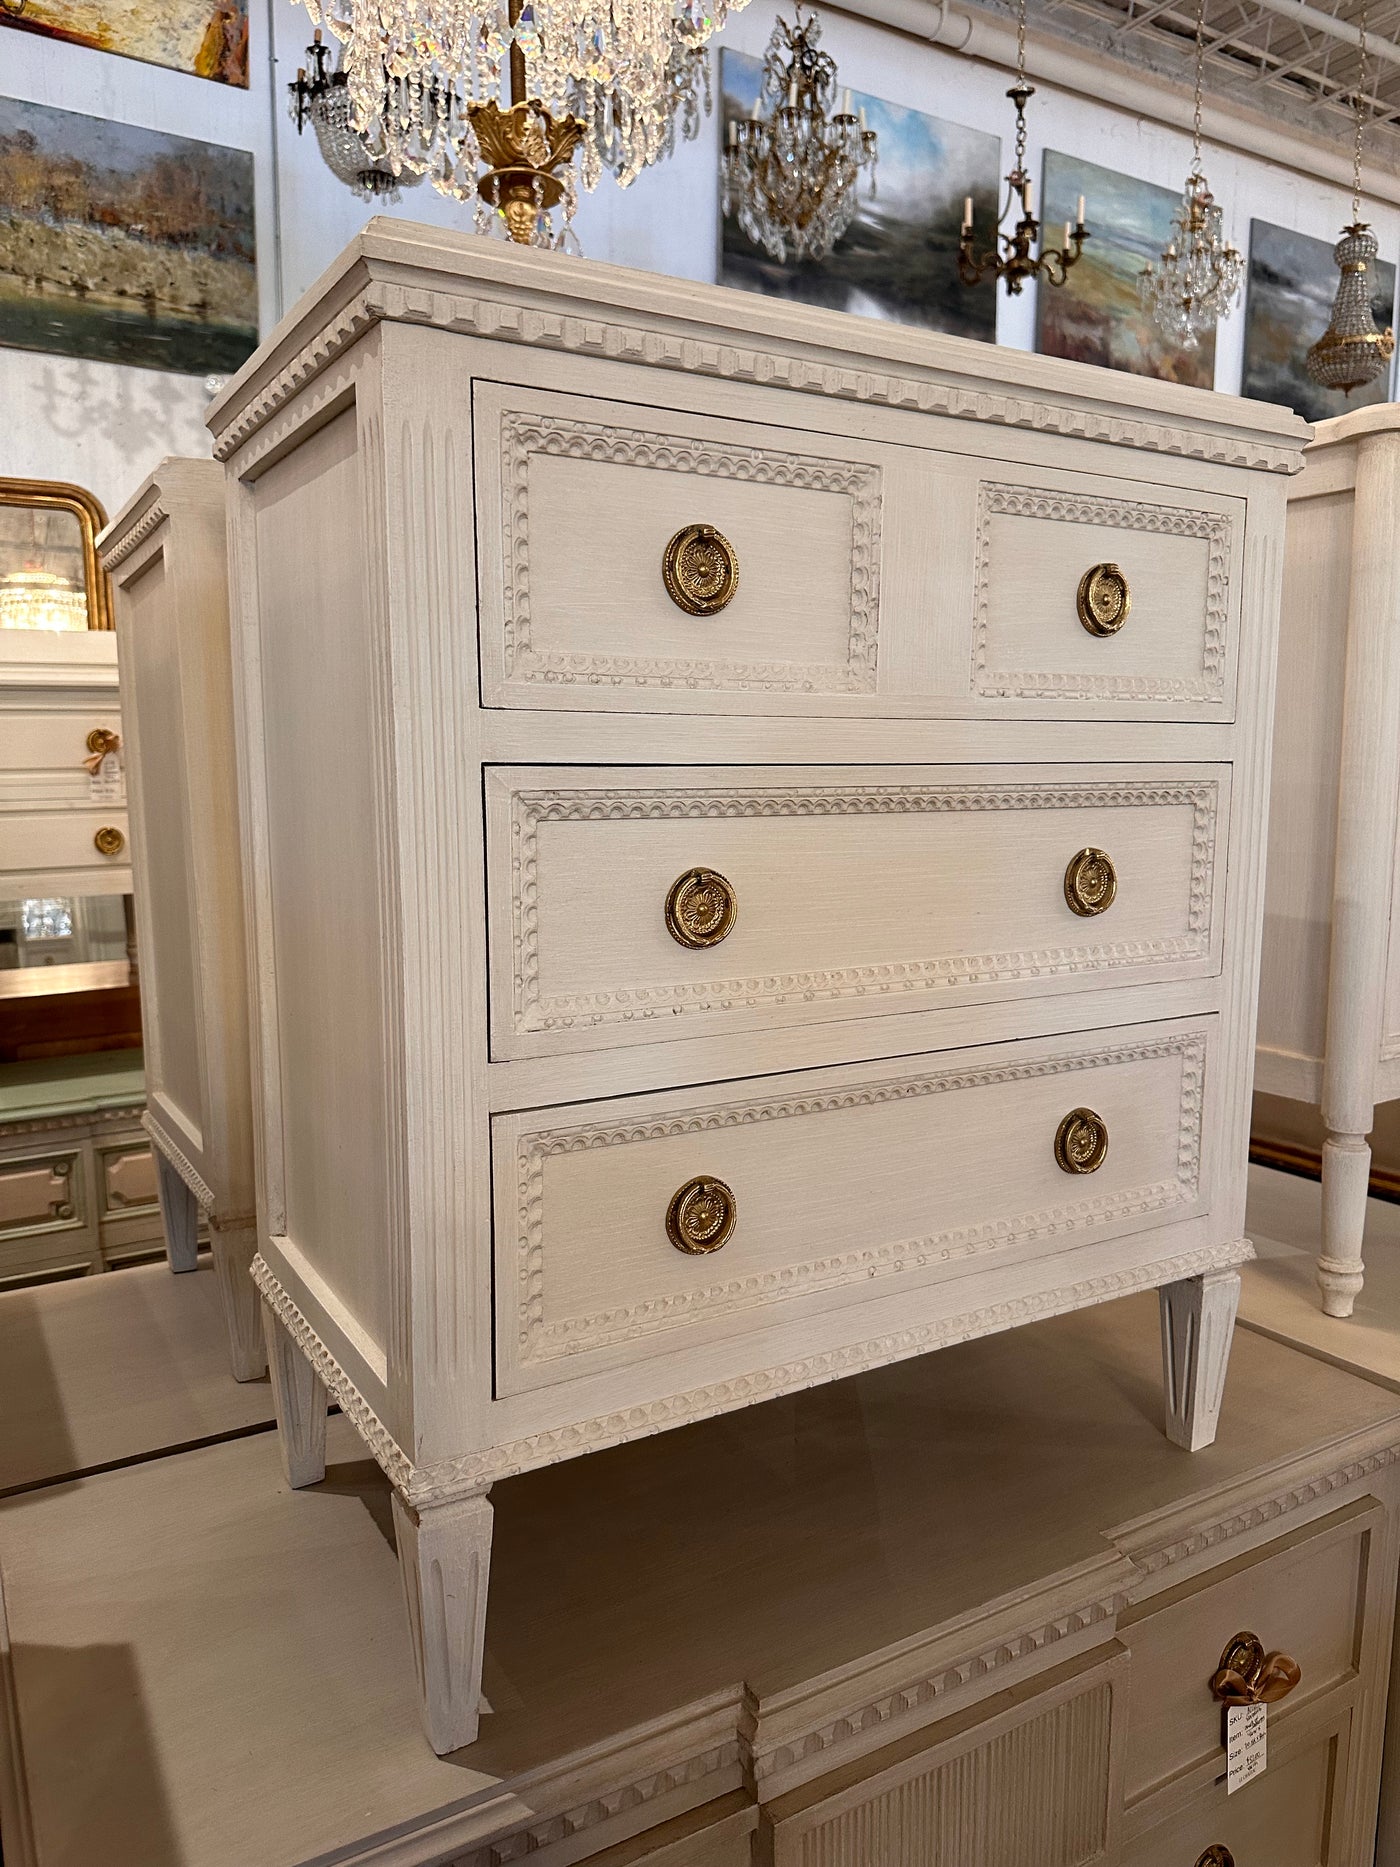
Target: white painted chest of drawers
(659,1010)
(61,833)
(166,554)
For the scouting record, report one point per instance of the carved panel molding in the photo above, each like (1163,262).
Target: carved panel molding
(525,437)
(1039,502)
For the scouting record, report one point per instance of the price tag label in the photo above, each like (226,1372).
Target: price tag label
(1246,1744)
(108,782)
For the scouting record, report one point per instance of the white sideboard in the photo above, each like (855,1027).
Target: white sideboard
(1329,1001)
(739,807)
(165,553)
(63,829)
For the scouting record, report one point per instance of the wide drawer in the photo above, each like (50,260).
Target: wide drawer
(42,754)
(1285,1818)
(653,1224)
(43,1193)
(58,843)
(664,560)
(1305,1596)
(835,893)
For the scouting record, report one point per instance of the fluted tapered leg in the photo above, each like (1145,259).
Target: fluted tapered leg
(445,1562)
(1198,1326)
(179,1214)
(299,1399)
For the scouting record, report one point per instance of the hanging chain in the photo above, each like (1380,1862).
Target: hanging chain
(1020,80)
(1200,86)
(1360,122)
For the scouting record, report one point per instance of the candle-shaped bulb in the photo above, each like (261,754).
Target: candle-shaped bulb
(862,116)
(967,213)
(792,95)
(733,133)
(846,103)
(1068,231)
(1081,211)
(1026,195)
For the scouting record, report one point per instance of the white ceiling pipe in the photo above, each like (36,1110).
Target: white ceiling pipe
(1232,126)
(1317,21)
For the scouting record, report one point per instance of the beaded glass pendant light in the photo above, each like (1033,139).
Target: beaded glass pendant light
(1012,256)
(1351,351)
(791,171)
(1196,280)
(321,97)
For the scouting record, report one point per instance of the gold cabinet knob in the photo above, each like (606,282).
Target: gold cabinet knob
(1104,599)
(1247,1675)
(1091,882)
(109,841)
(103,740)
(700,1217)
(701,908)
(701,570)
(1217,1855)
(1081,1142)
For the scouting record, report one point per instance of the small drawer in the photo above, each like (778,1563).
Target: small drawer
(41,1194)
(1284,1818)
(655,1224)
(1085,595)
(80,843)
(1304,1596)
(643,552)
(630,905)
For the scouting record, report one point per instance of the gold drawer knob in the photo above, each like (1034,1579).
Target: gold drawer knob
(1091,882)
(103,740)
(1217,1856)
(1247,1675)
(700,1217)
(701,908)
(701,570)
(109,841)
(1104,599)
(1081,1142)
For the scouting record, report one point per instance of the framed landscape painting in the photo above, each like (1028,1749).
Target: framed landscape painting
(898,257)
(207,38)
(1292,282)
(1095,316)
(124,245)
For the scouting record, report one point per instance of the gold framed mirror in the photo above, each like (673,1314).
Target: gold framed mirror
(50,577)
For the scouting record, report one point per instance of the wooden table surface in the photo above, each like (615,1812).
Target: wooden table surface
(213,1671)
(100,1370)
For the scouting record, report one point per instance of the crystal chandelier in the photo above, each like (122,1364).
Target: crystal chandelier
(34,598)
(1012,255)
(412,69)
(323,101)
(1351,351)
(791,176)
(1196,280)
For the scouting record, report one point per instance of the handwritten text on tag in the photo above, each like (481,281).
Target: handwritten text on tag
(1246,1744)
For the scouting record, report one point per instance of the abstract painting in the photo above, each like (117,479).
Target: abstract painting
(898,257)
(1095,316)
(208,38)
(1292,282)
(124,245)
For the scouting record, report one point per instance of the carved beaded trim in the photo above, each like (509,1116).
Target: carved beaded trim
(425,1485)
(540,1340)
(187,1171)
(1088,683)
(714,353)
(631,1003)
(121,548)
(523,437)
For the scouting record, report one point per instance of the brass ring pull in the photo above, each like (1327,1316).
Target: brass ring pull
(1091,882)
(701,570)
(1103,599)
(701,908)
(700,1217)
(1218,1855)
(109,841)
(1247,1675)
(1081,1142)
(103,740)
